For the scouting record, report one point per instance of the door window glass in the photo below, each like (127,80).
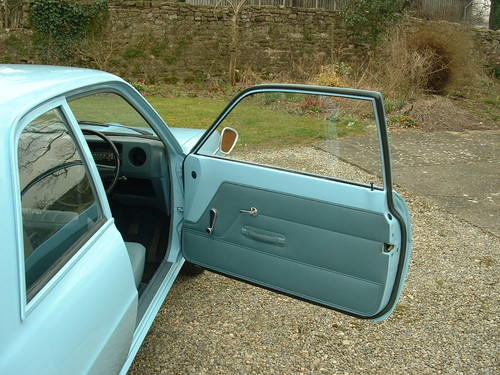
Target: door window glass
(330,136)
(59,207)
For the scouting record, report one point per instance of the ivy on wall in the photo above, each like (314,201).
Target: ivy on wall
(60,25)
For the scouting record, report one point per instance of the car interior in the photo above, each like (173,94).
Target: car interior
(137,198)
(133,166)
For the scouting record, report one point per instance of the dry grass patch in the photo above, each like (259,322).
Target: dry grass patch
(439,113)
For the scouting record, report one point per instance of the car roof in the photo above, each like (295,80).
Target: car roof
(24,86)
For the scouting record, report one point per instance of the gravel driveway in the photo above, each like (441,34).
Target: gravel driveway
(446,321)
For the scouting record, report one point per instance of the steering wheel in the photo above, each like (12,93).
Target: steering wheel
(107,172)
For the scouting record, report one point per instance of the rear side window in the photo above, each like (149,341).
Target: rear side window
(59,206)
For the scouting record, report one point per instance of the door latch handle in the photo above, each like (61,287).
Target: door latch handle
(253,211)
(213,217)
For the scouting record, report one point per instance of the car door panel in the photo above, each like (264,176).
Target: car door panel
(77,301)
(299,244)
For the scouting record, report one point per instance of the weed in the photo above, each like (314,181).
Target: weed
(312,104)
(389,106)
(493,102)
(292,97)
(403,121)
(395,104)
(315,109)
(14,41)
(145,88)
(134,53)
(343,69)
(308,37)
(139,86)
(272,97)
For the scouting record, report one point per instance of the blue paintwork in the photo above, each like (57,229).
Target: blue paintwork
(88,318)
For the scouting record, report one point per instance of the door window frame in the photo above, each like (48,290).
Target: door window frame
(80,248)
(365,95)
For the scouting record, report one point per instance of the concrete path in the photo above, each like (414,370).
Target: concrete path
(459,171)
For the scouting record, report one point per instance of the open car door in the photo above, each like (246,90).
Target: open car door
(304,204)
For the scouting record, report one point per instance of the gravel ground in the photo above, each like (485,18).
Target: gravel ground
(446,321)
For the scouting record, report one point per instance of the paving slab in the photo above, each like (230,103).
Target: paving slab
(458,170)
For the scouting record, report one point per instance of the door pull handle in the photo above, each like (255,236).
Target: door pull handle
(253,211)
(213,217)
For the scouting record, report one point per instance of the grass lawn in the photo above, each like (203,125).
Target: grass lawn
(187,112)
(262,120)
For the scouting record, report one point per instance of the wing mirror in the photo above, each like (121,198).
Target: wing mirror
(229,137)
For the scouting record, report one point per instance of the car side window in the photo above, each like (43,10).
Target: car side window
(59,205)
(334,137)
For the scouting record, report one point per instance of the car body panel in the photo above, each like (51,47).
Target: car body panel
(114,335)
(75,300)
(29,87)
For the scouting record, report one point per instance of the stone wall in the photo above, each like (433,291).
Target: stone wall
(189,42)
(154,41)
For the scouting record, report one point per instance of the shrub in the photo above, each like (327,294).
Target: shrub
(430,58)
(333,75)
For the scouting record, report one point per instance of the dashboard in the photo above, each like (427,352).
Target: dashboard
(144,175)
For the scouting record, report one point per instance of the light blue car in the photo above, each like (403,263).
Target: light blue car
(103,204)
